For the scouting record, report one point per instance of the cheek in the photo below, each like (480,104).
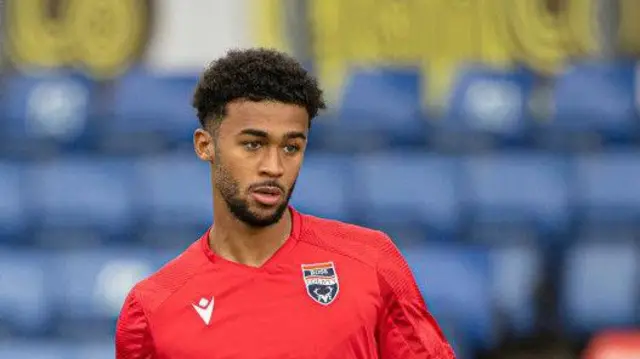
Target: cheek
(229,175)
(293,172)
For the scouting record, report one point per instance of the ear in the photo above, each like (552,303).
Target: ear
(203,145)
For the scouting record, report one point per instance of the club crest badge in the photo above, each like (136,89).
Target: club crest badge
(321,281)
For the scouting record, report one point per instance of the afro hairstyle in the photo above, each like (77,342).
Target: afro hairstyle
(255,74)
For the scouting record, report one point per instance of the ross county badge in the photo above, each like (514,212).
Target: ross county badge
(321,281)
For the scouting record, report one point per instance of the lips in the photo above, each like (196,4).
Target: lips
(267,195)
(268,190)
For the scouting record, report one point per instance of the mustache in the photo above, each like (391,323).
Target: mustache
(273,184)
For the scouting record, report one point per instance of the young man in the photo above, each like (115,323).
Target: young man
(267,281)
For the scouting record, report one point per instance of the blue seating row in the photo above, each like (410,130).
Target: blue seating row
(42,291)
(380,105)
(438,195)
(473,291)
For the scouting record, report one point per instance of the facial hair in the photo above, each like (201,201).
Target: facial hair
(230,190)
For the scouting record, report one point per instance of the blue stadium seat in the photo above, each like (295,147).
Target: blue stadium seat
(600,283)
(526,191)
(606,187)
(488,101)
(91,196)
(50,349)
(12,215)
(146,103)
(456,283)
(326,133)
(98,350)
(596,97)
(322,186)
(51,107)
(25,305)
(28,349)
(403,188)
(173,191)
(381,107)
(517,271)
(89,286)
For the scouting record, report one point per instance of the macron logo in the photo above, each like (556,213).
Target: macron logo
(204,309)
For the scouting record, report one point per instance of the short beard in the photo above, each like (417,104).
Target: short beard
(230,191)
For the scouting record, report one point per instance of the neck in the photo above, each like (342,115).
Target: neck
(233,240)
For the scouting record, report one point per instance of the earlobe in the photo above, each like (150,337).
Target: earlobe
(211,153)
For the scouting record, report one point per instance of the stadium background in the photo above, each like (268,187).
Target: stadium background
(495,140)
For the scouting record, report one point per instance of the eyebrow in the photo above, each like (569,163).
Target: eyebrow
(263,134)
(254,132)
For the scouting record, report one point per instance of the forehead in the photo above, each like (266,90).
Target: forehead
(269,116)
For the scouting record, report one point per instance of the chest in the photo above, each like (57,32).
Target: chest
(317,311)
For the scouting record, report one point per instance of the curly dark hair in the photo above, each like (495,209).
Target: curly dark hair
(255,74)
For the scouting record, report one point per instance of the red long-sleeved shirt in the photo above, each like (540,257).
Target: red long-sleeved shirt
(332,291)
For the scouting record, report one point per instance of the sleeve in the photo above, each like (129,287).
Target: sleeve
(405,327)
(133,337)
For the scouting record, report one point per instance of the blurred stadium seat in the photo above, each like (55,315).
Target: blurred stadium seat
(79,200)
(393,117)
(25,301)
(607,191)
(13,220)
(517,275)
(405,189)
(599,285)
(51,109)
(93,350)
(489,105)
(43,349)
(89,287)
(322,187)
(594,99)
(526,191)
(173,198)
(151,110)
(456,280)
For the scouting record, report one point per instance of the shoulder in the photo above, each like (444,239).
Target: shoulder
(371,247)
(152,291)
(364,244)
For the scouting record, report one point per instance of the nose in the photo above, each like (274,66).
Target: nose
(271,164)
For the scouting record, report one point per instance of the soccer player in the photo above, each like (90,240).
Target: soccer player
(266,281)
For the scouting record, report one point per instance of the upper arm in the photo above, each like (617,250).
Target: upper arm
(405,328)
(133,336)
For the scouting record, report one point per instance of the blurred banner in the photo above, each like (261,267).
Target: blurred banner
(439,36)
(628,34)
(102,37)
(106,37)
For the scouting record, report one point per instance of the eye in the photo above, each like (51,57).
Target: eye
(251,145)
(291,148)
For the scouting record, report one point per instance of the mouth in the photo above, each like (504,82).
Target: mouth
(267,196)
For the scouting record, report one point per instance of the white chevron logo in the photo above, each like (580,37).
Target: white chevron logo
(204,309)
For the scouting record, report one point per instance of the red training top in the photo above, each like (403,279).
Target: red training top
(332,291)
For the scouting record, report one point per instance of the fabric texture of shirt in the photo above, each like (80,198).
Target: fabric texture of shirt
(332,291)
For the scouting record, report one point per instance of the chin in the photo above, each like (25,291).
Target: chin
(261,208)
(270,213)
(258,217)
(261,221)
(255,214)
